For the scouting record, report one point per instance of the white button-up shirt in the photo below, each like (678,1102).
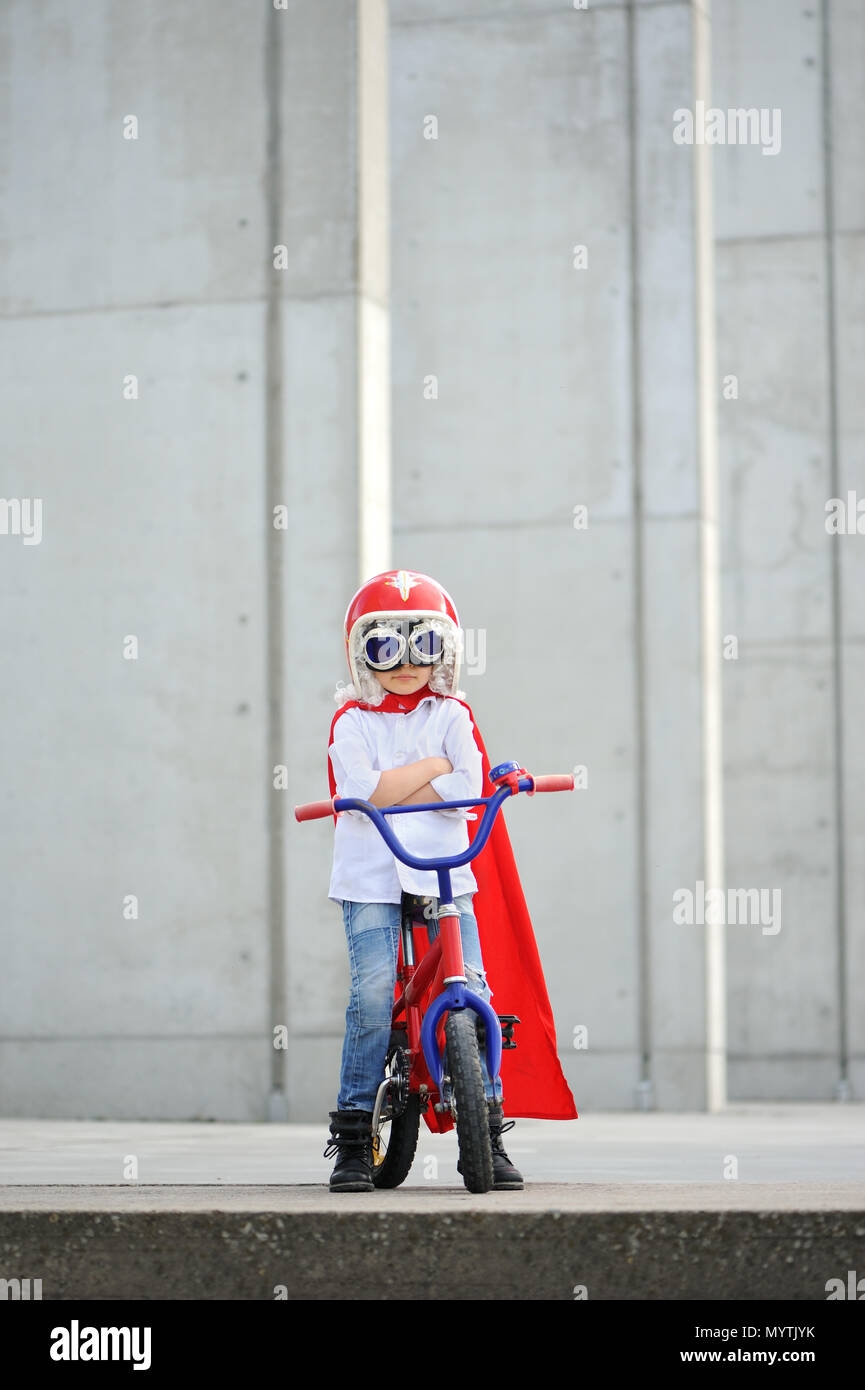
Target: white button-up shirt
(369,742)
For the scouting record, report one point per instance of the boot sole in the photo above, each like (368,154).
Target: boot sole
(353,1187)
(505,1186)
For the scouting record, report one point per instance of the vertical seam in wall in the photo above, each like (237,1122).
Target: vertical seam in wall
(708,537)
(835,552)
(644,985)
(274,541)
(355,141)
(370,163)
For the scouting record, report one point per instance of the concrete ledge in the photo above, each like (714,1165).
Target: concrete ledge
(644,1242)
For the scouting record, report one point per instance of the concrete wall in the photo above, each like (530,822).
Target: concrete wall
(134,777)
(555,390)
(556,387)
(789,269)
(154,777)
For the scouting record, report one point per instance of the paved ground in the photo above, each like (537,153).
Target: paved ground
(547,1197)
(759,1203)
(759,1144)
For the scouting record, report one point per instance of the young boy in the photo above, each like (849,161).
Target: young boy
(398,740)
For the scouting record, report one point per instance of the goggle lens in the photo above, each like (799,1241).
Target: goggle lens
(427,646)
(383,651)
(385,645)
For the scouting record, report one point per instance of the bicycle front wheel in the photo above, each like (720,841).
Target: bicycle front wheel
(468,1100)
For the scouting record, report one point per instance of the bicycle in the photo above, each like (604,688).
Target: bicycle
(433,1064)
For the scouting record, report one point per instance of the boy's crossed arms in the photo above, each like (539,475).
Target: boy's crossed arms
(404,786)
(458,770)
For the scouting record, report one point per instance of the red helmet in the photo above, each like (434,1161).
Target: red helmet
(401,595)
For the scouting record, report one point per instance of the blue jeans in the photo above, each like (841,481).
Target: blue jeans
(372,934)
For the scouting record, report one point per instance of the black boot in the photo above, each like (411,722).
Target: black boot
(506,1178)
(351,1140)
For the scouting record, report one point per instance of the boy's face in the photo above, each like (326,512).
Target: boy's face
(404,680)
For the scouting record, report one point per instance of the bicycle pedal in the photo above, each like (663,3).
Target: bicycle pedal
(507,1022)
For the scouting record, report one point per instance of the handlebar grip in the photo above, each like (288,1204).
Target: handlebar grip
(554,782)
(313,810)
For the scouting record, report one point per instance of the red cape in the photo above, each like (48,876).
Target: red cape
(533,1083)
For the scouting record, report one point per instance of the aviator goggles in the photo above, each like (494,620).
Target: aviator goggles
(390,643)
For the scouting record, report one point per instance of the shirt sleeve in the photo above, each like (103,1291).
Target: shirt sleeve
(351,761)
(462,752)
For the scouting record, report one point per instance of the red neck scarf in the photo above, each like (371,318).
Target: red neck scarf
(392,704)
(532,1078)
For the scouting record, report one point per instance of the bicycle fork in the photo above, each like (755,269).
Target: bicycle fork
(455,995)
(443,966)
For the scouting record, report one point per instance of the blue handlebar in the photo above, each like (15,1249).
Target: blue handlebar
(377,816)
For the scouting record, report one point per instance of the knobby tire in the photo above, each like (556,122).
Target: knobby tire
(469,1099)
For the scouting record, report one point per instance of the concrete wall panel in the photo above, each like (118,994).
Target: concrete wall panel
(774,440)
(846,57)
(675,822)
(144,766)
(768,57)
(850,329)
(163,1077)
(854,760)
(532,364)
(665,269)
(104,221)
(318,550)
(781,833)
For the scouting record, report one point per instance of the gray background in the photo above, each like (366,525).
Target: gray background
(409,257)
